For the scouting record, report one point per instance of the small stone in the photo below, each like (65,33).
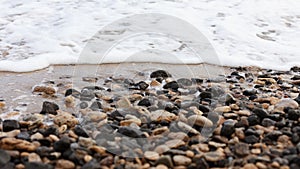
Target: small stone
(214,156)
(2,105)
(142,85)
(151,155)
(255,151)
(87,158)
(62,145)
(241,149)
(16,144)
(83,105)
(171,85)
(144,102)
(174,143)
(261,113)
(65,118)
(181,160)
(243,112)
(227,129)
(251,139)
(86,95)
(249,166)
(160,74)
(161,149)
(79,131)
(131,132)
(85,142)
(224,109)
(72,92)
(37,165)
(49,108)
(95,106)
(90,79)
(96,116)
(44,89)
(200,121)
(155,83)
(123,103)
(9,125)
(185,82)
(98,149)
(33,157)
(36,136)
(266,122)
(161,166)
(261,165)
(286,102)
(4,157)
(64,164)
(165,160)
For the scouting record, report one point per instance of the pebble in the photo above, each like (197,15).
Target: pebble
(36,136)
(174,143)
(4,157)
(9,125)
(123,103)
(65,118)
(181,160)
(241,149)
(16,144)
(214,156)
(223,109)
(44,89)
(33,157)
(249,166)
(151,155)
(165,160)
(200,121)
(64,164)
(160,74)
(49,108)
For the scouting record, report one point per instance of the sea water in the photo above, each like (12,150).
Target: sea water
(35,34)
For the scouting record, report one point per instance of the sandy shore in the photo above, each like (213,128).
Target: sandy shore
(17,93)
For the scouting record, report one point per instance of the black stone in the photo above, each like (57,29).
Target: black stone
(197,81)
(93,164)
(50,130)
(131,132)
(293,114)
(78,130)
(249,92)
(144,102)
(23,135)
(92,88)
(227,129)
(62,145)
(142,85)
(251,139)
(296,77)
(253,120)
(96,105)
(160,73)
(260,112)
(229,99)
(9,125)
(205,94)
(295,69)
(44,151)
(266,122)
(37,165)
(49,107)
(4,158)
(251,131)
(72,92)
(171,85)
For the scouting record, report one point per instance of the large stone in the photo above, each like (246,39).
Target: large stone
(65,118)
(4,157)
(160,74)
(64,164)
(9,125)
(181,160)
(200,121)
(49,108)
(16,144)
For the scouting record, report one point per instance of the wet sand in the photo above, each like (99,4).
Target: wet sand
(16,88)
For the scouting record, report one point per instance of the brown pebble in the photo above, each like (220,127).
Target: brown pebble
(250,166)
(64,164)
(151,155)
(261,165)
(20,166)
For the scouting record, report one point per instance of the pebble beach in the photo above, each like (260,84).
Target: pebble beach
(240,117)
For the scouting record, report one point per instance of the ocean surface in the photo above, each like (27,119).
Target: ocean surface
(35,34)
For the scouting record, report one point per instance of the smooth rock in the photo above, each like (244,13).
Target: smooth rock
(181,160)
(9,125)
(160,74)
(64,164)
(214,156)
(49,108)
(223,109)
(165,160)
(16,144)
(123,103)
(65,118)
(241,149)
(33,157)
(44,89)
(151,155)
(200,121)
(4,157)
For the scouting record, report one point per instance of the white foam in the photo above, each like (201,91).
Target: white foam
(36,34)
